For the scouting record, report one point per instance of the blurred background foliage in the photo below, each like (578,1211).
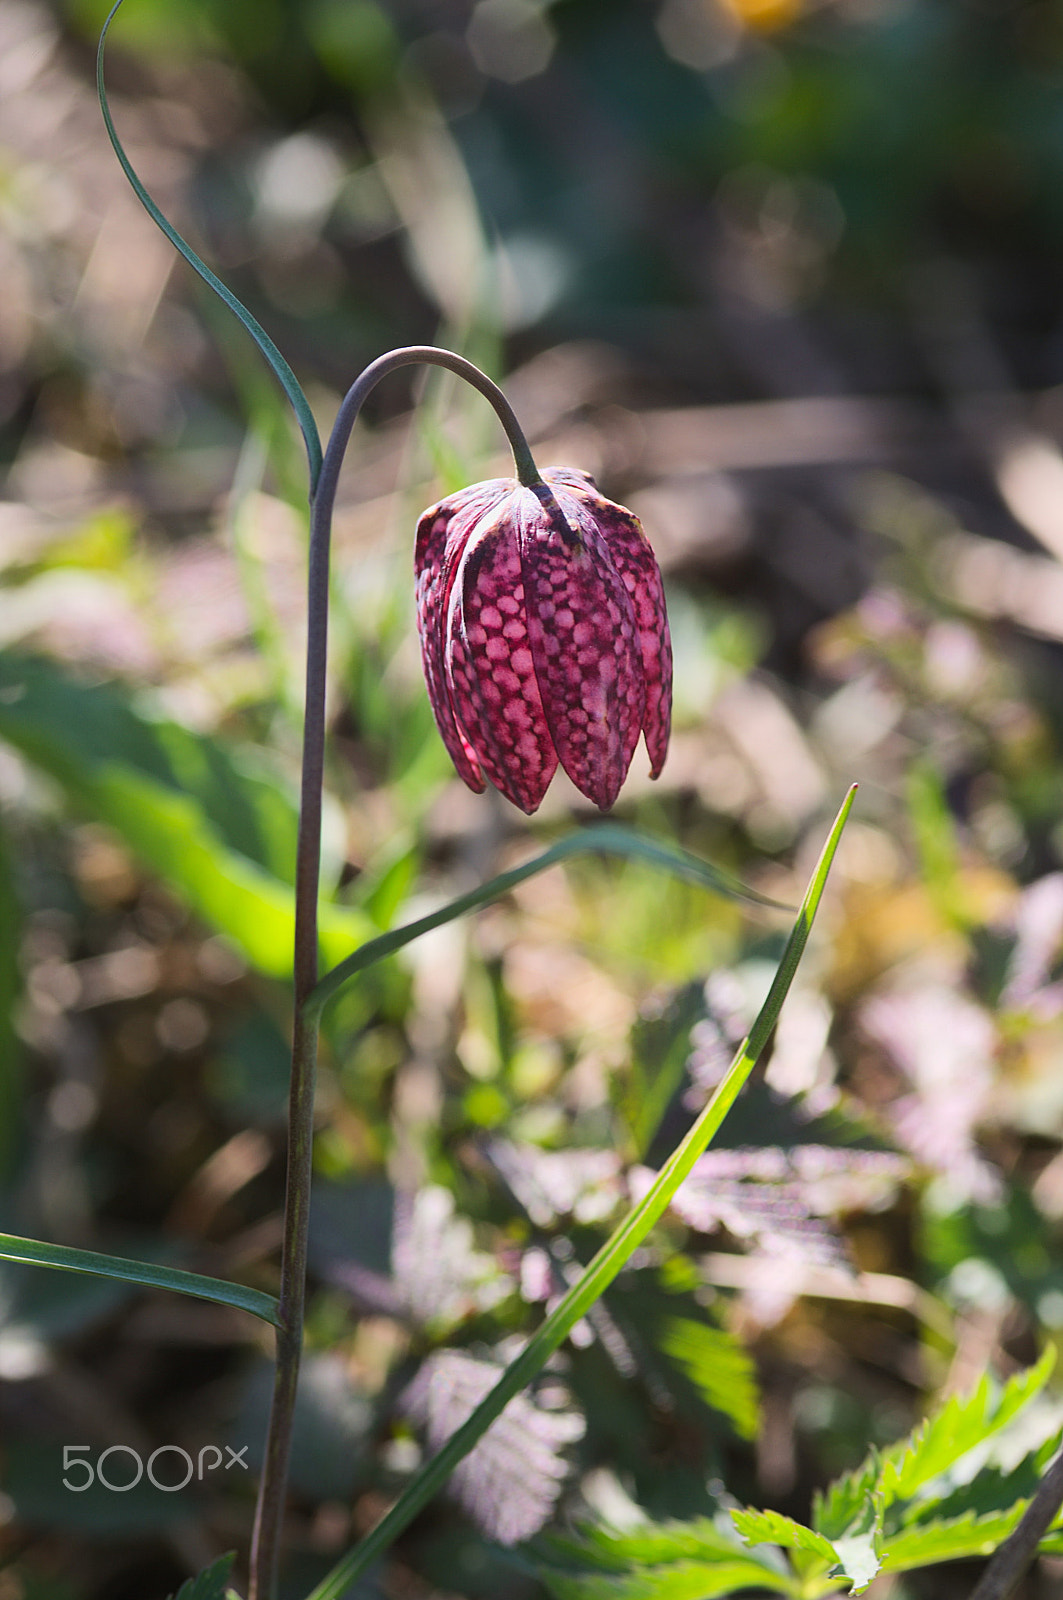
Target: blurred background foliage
(784,276)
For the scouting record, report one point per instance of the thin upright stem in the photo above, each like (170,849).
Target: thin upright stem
(269,1514)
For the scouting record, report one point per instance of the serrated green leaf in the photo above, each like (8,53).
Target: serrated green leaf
(954,1540)
(846,1502)
(991,1490)
(771,1527)
(649,1544)
(719,1367)
(683,1580)
(854,1558)
(211,1583)
(962,1423)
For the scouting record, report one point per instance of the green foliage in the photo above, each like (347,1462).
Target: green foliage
(216,828)
(841,1506)
(899,1509)
(602,838)
(771,1527)
(618,1249)
(658,1058)
(928,1498)
(658,1561)
(950,1539)
(684,1580)
(963,1423)
(718,1366)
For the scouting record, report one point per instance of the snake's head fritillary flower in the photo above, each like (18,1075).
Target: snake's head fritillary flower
(544,636)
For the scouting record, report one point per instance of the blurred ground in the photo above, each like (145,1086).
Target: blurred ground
(784,279)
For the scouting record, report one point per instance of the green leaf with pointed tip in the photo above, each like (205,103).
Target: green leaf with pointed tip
(285,376)
(719,1367)
(845,1502)
(685,1580)
(152,1274)
(990,1490)
(648,1544)
(962,1423)
(607,838)
(854,1557)
(772,1527)
(952,1540)
(211,1583)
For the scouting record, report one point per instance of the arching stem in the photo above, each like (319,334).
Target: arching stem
(265,1546)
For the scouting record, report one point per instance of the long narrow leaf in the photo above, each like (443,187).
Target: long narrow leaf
(603,839)
(149,1273)
(285,376)
(607,1263)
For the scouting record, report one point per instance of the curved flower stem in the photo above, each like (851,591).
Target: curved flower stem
(265,1545)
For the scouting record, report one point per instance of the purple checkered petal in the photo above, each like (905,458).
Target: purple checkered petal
(491,673)
(544,636)
(634,559)
(441,534)
(582,628)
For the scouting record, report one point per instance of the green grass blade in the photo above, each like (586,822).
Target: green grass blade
(285,376)
(149,1273)
(607,1263)
(604,839)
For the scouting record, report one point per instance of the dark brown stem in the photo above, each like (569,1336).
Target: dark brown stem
(1015,1554)
(269,1514)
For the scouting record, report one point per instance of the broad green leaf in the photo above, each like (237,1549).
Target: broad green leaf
(772,1527)
(602,1270)
(212,1582)
(684,1580)
(73,729)
(150,1273)
(718,1366)
(962,1423)
(220,835)
(953,1540)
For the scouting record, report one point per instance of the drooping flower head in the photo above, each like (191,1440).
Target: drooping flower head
(544,636)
